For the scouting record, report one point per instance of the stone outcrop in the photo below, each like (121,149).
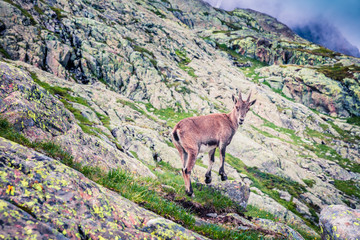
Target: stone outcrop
(340,223)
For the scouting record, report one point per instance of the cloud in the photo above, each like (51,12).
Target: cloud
(344,15)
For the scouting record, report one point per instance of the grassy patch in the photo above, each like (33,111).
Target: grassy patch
(309,182)
(143,50)
(171,115)
(184,61)
(338,71)
(65,97)
(353,120)
(4,53)
(157,12)
(266,182)
(351,188)
(58,12)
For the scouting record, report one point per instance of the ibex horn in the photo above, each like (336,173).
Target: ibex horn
(240,97)
(248,100)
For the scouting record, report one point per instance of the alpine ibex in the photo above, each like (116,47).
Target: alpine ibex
(206,133)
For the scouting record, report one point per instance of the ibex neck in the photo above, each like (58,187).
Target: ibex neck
(233,119)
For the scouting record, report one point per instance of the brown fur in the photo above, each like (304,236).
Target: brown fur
(211,131)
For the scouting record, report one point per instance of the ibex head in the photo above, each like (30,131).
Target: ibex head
(242,107)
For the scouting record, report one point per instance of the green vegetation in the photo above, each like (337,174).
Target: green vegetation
(38,10)
(309,182)
(171,115)
(338,71)
(351,188)
(157,12)
(58,12)
(23,11)
(184,61)
(248,71)
(321,150)
(321,51)
(174,10)
(352,120)
(4,53)
(143,50)
(266,182)
(65,97)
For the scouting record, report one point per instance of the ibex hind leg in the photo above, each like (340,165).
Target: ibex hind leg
(187,172)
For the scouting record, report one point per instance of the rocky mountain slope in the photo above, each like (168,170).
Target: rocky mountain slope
(105,81)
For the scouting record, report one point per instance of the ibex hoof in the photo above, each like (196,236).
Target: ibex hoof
(190,194)
(208,180)
(223,177)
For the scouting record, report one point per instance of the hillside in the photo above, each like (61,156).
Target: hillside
(98,86)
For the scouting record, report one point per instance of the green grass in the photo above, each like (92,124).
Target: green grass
(51,149)
(184,61)
(4,53)
(38,10)
(65,97)
(171,115)
(338,71)
(58,12)
(143,50)
(157,12)
(351,188)
(354,120)
(309,182)
(266,182)
(320,150)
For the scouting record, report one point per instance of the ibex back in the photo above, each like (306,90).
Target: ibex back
(206,133)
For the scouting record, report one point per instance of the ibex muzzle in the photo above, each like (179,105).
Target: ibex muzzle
(206,133)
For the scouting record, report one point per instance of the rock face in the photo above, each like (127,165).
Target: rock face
(50,200)
(41,116)
(340,222)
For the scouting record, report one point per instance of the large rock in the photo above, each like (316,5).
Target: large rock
(43,117)
(338,222)
(47,199)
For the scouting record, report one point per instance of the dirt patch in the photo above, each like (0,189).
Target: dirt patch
(194,207)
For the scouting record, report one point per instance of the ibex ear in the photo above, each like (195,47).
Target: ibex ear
(234,99)
(252,102)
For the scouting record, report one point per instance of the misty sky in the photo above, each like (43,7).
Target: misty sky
(344,14)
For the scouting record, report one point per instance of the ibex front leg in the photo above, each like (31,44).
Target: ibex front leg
(211,163)
(222,162)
